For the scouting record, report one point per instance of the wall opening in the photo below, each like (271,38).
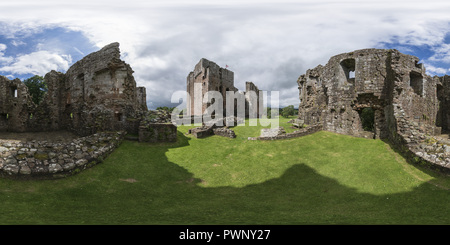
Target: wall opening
(118,116)
(205,74)
(351,74)
(3,121)
(348,66)
(4,116)
(367,116)
(416,82)
(309,90)
(14,91)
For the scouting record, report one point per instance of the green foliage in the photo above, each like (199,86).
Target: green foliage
(269,112)
(165,108)
(37,88)
(288,111)
(367,119)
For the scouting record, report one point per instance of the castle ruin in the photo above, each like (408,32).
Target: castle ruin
(96,100)
(408,107)
(208,76)
(97,93)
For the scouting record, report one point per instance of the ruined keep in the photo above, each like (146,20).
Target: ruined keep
(377,93)
(96,99)
(212,77)
(97,93)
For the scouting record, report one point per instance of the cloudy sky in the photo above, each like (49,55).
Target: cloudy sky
(269,43)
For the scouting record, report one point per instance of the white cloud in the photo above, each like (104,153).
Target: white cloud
(38,63)
(268,42)
(441,53)
(433,70)
(17,43)
(4,59)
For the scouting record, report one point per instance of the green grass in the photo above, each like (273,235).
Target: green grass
(323,178)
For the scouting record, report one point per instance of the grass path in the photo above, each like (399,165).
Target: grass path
(410,170)
(323,178)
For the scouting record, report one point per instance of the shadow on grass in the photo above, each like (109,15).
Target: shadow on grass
(299,196)
(165,193)
(413,160)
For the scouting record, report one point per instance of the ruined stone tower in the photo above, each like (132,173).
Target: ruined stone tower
(407,105)
(97,93)
(208,76)
(211,77)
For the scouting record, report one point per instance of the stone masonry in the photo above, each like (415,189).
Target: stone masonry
(96,99)
(409,107)
(212,77)
(97,93)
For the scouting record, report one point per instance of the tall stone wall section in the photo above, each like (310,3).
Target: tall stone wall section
(97,93)
(443,94)
(253,100)
(208,76)
(408,104)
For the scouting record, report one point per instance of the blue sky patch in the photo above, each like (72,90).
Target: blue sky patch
(48,43)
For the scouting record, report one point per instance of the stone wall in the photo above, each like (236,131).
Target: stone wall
(157,132)
(408,105)
(205,131)
(97,93)
(211,77)
(224,132)
(279,133)
(208,76)
(44,160)
(253,106)
(443,93)
(16,105)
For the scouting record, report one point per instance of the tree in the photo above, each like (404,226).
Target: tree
(367,119)
(288,111)
(37,88)
(269,112)
(165,108)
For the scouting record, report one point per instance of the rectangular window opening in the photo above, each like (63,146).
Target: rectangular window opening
(416,82)
(119,116)
(14,92)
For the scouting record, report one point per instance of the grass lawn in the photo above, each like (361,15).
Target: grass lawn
(323,178)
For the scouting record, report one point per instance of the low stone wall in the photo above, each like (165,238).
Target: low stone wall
(202,132)
(298,133)
(225,132)
(432,152)
(44,160)
(157,132)
(420,142)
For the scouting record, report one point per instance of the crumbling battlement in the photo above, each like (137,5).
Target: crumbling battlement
(97,93)
(406,104)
